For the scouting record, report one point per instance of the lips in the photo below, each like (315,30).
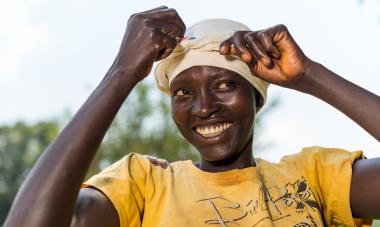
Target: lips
(212,130)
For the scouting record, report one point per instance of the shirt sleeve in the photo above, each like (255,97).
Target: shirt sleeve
(331,171)
(124,184)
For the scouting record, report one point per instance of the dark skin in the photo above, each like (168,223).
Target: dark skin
(272,54)
(206,95)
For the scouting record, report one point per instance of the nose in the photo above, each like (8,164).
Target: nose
(205,105)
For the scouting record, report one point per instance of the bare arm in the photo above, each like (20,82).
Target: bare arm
(274,56)
(94,209)
(49,194)
(360,105)
(363,107)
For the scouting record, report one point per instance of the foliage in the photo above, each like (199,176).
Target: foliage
(20,146)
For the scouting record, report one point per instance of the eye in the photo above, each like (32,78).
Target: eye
(182,92)
(225,85)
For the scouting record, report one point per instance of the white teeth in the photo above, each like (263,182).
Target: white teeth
(213,130)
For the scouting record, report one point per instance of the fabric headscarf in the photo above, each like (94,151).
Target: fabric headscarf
(200,47)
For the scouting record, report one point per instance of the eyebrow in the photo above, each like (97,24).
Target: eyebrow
(216,73)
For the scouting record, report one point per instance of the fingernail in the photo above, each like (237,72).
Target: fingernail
(266,61)
(246,57)
(223,49)
(276,55)
(233,50)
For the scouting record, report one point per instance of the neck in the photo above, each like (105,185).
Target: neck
(241,160)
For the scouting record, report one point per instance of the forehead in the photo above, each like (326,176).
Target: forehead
(201,73)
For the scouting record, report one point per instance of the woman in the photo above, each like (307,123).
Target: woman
(213,104)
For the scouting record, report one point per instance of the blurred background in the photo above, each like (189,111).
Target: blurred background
(54,53)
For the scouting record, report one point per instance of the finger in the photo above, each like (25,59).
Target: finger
(178,20)
(225,47)
(241,50)
(172,30)
(253,63)
(153,160)
(268,45)
(255,46)
(160,14)
(164,38)
(163,163)
(168,44)
(158,44)
(277,32)
(155,9)
(158,161)
(169,15)
(166,28)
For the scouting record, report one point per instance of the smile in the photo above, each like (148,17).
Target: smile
(212,130)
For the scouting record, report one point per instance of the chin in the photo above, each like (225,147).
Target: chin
(218,155)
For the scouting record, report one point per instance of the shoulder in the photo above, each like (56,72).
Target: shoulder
(94,208)
(132,170)
(317,164)
(131,162)
(317,154)
(323,155)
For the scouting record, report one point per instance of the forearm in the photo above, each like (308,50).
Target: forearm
(360,105)
(48,196)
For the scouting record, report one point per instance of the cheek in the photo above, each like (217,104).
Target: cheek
(240,104)
(242,108)
(180,113)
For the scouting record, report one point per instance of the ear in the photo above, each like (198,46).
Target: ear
(256,95)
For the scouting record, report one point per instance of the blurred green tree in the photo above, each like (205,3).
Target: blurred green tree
(20,146)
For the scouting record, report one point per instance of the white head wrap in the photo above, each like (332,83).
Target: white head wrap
(201,47)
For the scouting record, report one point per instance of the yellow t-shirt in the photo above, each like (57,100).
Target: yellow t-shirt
(310,188)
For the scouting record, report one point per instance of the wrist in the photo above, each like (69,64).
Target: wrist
(122,79)
(124,75)
(308,77)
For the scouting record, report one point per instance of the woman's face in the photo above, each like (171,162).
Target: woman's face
(214,109)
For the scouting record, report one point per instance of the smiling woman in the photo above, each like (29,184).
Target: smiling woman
(214,109)
(217,75)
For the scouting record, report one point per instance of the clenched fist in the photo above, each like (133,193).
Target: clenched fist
(150,36)
(272,54)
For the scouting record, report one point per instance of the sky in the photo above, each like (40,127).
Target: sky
(54,53)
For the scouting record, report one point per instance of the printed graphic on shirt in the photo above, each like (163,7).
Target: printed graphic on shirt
(296,199)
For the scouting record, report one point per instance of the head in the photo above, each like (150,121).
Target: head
(214,109)
(214,97)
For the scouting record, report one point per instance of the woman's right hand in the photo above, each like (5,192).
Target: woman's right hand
(150,36)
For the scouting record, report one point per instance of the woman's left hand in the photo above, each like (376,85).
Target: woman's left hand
(272,54)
